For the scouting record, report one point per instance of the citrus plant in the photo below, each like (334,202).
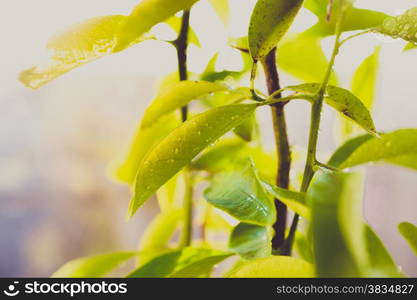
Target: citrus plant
(204,166)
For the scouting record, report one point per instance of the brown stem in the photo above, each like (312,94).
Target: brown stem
(181,43)
(282,146)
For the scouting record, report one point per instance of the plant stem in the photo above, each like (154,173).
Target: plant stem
(282,146)
(311,165)
(181,44)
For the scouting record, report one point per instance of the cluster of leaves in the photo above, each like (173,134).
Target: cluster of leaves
(166,152)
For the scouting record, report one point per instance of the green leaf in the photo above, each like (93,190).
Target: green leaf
(222,9)
(143,141)
(409,232)
(93,266)
(188,262)
(303,247)
(410,46)
(248,129)
(175,23)
(344,151)
(403,26)
(355,19)
(175,151)
(158,234)
(221,156)
(176,96)
(332,245)
(343,101)
(398,147)
(251,241)
(228,97)
(211,74)
(303,57)
(296,201)
(364,87)
(274,267)
(144,16)
(241,194)
(78,45)
(381,263)
(270,20)
(365,77)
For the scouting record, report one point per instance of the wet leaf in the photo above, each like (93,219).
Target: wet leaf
(344,102)
(176,96)
(398,147)
(143,141)
(175,151)
(270,20)
(78,45)
(409,232)
(274,267)
(403,26)
(188,262)
(144,16)
(93,266)
(241,194)
(251,241)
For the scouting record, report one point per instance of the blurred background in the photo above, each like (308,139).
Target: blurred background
(57,200)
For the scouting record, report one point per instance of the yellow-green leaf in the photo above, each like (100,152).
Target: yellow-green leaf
(188,262)
(398,147)
(144,16)
(274,267)
(296,201)
(78,45)
(381,263)
(175,151)
(364,79)
(343,101)
(155,239)
(270,20)
(409,232)
(143,141)
(222,9)
(175,23)
(303,57)
(176,96)
(248,130)
(355,19)
(251,241)
(403,26)
(334,249)
(364,87)
(93,266)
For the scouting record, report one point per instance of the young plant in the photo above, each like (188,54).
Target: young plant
(174,150)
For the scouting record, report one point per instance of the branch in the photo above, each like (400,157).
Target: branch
(282,146)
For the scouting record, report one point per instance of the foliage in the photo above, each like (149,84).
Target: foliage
(222,148)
